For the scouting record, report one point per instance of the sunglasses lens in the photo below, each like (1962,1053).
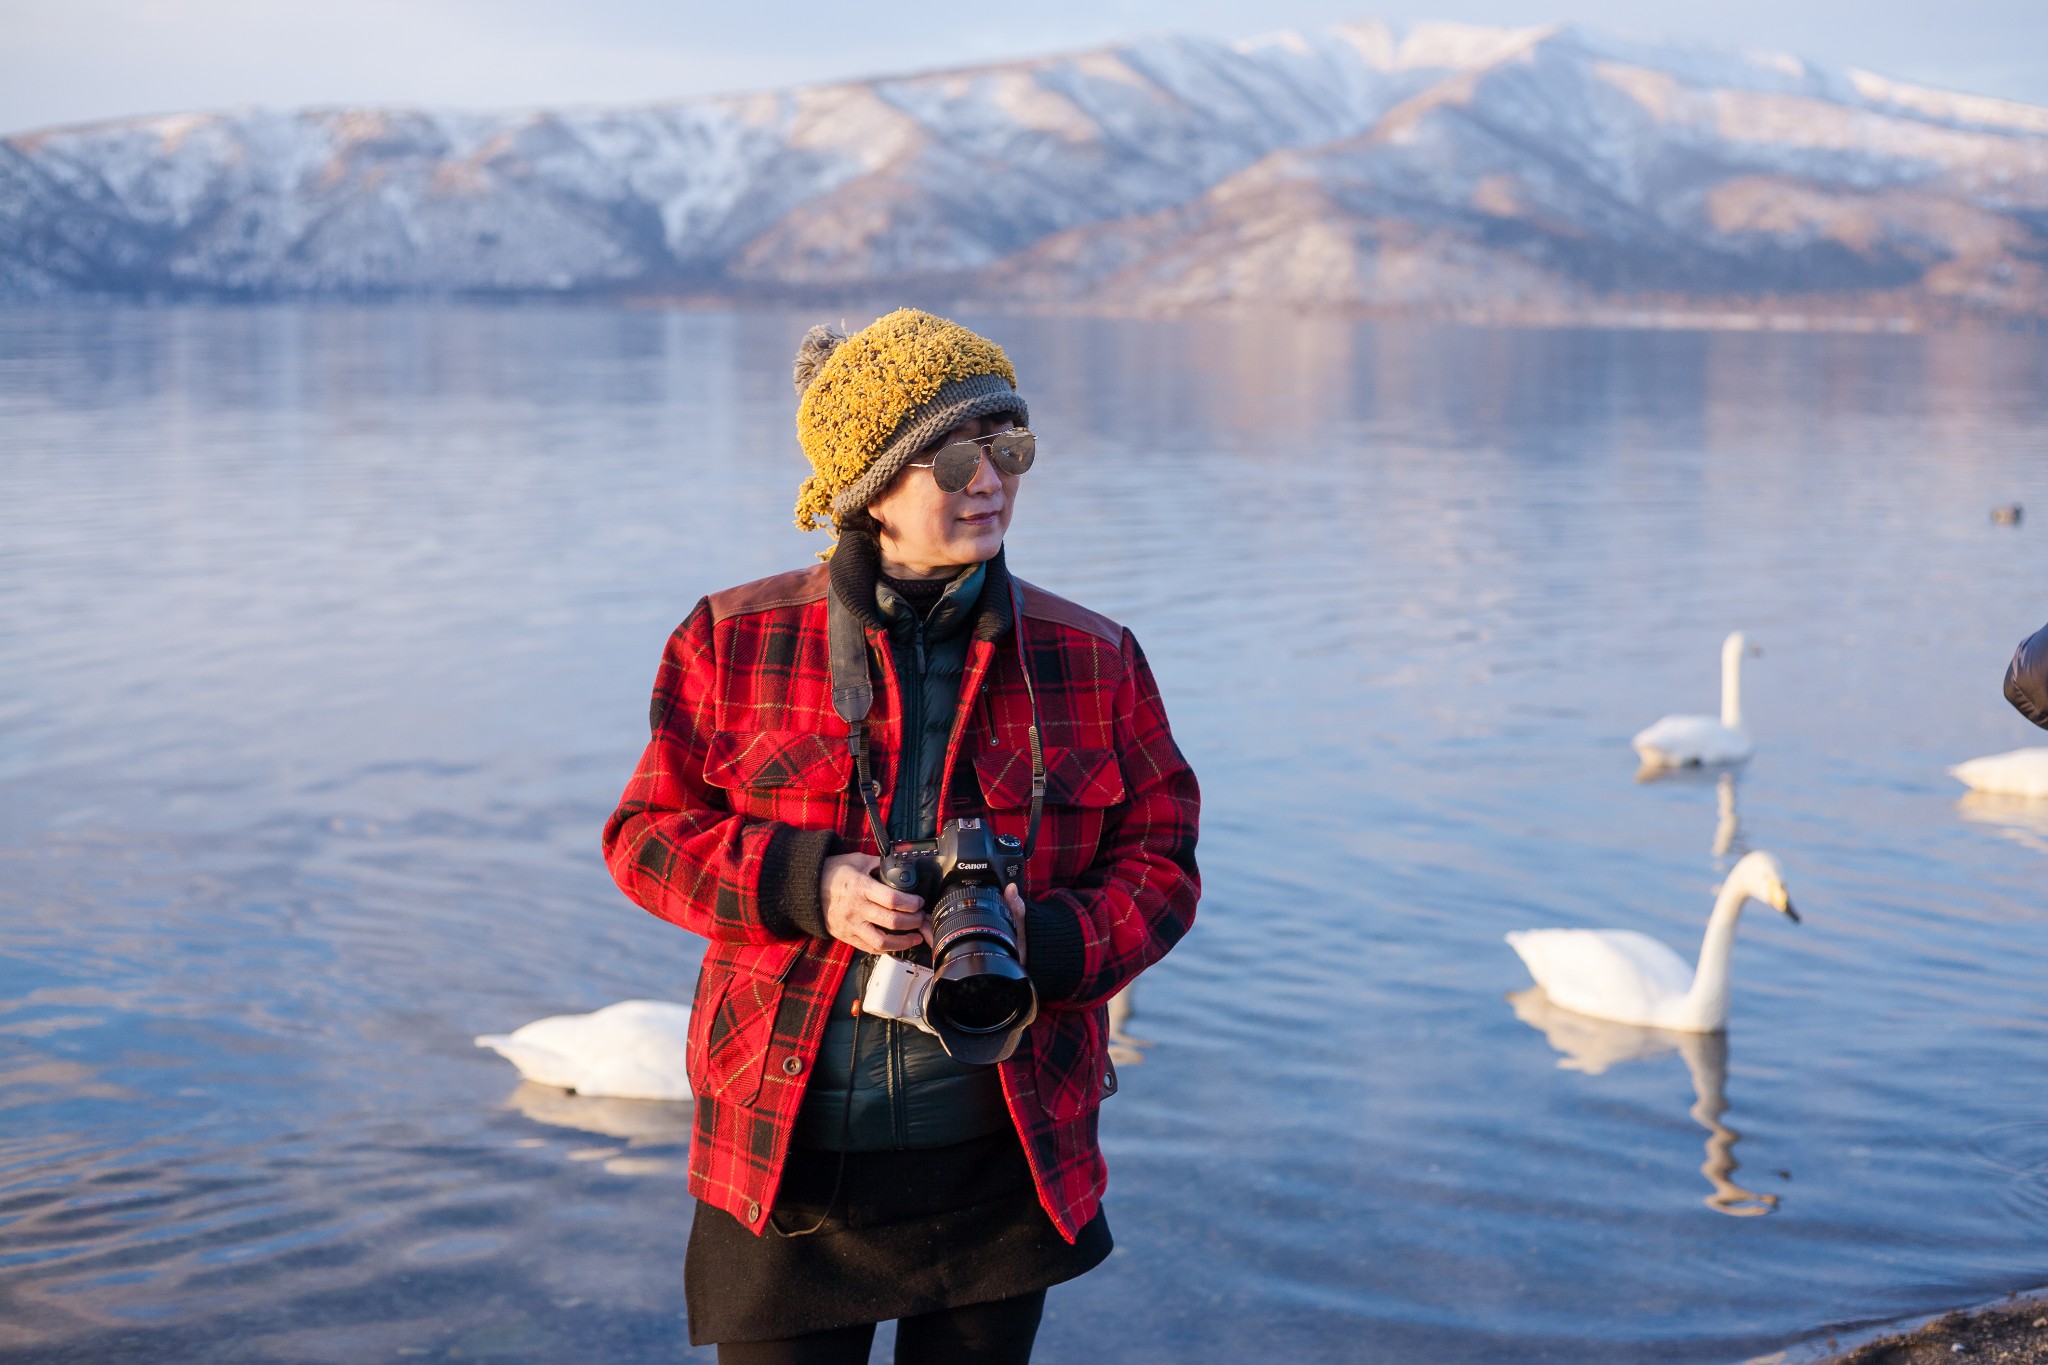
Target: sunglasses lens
(954,466)
(1013,451)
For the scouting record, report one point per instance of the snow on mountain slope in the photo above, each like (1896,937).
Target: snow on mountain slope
(1434,169)
(909,177)
(1576,173)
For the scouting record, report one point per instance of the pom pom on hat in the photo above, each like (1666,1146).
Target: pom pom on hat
(812,352)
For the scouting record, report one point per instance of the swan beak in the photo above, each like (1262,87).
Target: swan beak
(1783,902)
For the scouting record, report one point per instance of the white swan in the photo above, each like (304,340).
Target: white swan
(1631,978)
(633,1050)
(1690,741)
(2023,772)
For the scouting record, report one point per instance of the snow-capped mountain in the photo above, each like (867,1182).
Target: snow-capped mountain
(1437,169)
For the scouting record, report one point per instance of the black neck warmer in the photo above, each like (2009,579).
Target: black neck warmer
(856,564)
(919,594)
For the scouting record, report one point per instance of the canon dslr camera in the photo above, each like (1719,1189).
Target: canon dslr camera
(975,997)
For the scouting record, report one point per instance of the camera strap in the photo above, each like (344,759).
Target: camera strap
(1030,696)
(853,696)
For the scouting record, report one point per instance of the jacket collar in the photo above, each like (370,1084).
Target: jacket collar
(856,564)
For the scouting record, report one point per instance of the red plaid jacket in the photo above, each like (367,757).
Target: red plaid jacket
(746,782)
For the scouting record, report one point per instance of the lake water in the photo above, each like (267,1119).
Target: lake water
(325,641)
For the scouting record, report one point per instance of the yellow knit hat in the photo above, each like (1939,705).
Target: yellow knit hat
(872,400)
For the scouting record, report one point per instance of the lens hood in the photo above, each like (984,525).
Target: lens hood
(981,1000)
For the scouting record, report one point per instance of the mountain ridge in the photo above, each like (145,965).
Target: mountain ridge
(1538,174)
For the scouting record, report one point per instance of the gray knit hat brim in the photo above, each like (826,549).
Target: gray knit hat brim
(957,401)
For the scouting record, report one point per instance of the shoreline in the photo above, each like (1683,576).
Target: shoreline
(2011,1330)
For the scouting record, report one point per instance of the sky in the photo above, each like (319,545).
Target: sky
(71,61)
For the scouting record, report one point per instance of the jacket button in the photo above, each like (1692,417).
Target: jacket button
(792,1066)
(753,1213)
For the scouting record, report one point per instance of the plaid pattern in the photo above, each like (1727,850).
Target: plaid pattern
(747,753)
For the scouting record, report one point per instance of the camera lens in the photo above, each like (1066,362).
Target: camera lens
(980,995)
(973,916)
(988,1001)
(979,1001)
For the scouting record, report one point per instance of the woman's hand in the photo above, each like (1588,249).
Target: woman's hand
(861,911)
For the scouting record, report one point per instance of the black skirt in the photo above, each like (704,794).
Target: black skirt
(911,1232)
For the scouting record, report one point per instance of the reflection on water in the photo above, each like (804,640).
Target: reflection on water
(1727,825)
(1592,1046)
(1728,841)
(641,1122)
(1125,1049)
(2021,819)
(325,644)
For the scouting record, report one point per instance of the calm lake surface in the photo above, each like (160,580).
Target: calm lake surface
(325,642)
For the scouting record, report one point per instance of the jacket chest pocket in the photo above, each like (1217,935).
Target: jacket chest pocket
(796,776)
(732,1026)
(1082,786)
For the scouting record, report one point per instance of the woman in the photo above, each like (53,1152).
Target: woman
(847,1170)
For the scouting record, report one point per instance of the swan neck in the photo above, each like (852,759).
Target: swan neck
(1731,683)
(1709,993)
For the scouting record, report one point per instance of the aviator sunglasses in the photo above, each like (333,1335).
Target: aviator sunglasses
(953,465)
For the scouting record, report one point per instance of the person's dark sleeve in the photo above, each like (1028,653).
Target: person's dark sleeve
(790,874)
(2026,682)
(1053,950)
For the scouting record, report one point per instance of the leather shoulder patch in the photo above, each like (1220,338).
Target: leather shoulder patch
(1041,605)
(791,589)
